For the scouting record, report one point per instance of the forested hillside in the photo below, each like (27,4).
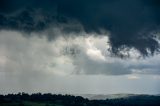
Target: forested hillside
(38,99)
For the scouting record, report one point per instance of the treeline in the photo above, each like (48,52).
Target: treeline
(70,100)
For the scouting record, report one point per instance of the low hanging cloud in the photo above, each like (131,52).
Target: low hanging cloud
(131,23)
(35,56)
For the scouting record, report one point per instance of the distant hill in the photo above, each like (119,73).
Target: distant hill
(109,96)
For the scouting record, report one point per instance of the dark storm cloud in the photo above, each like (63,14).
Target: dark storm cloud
(130,22)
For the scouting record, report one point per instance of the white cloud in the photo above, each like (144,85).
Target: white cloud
(65,56)
(32,54)
(133,77)
(92,51)
(61,64)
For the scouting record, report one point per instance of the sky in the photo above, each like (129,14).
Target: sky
(80,47)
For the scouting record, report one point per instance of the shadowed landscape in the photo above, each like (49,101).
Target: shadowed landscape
(38,99)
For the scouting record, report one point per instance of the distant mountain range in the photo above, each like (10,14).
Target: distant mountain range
(110,96)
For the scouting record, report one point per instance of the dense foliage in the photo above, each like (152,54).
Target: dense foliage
(38,99)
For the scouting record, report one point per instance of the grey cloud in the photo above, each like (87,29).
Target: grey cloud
(131,23)
(35,65)
(85,65)
(91,65)
(21,55)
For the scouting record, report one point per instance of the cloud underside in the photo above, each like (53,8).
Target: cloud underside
(130,24)
(66,56)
